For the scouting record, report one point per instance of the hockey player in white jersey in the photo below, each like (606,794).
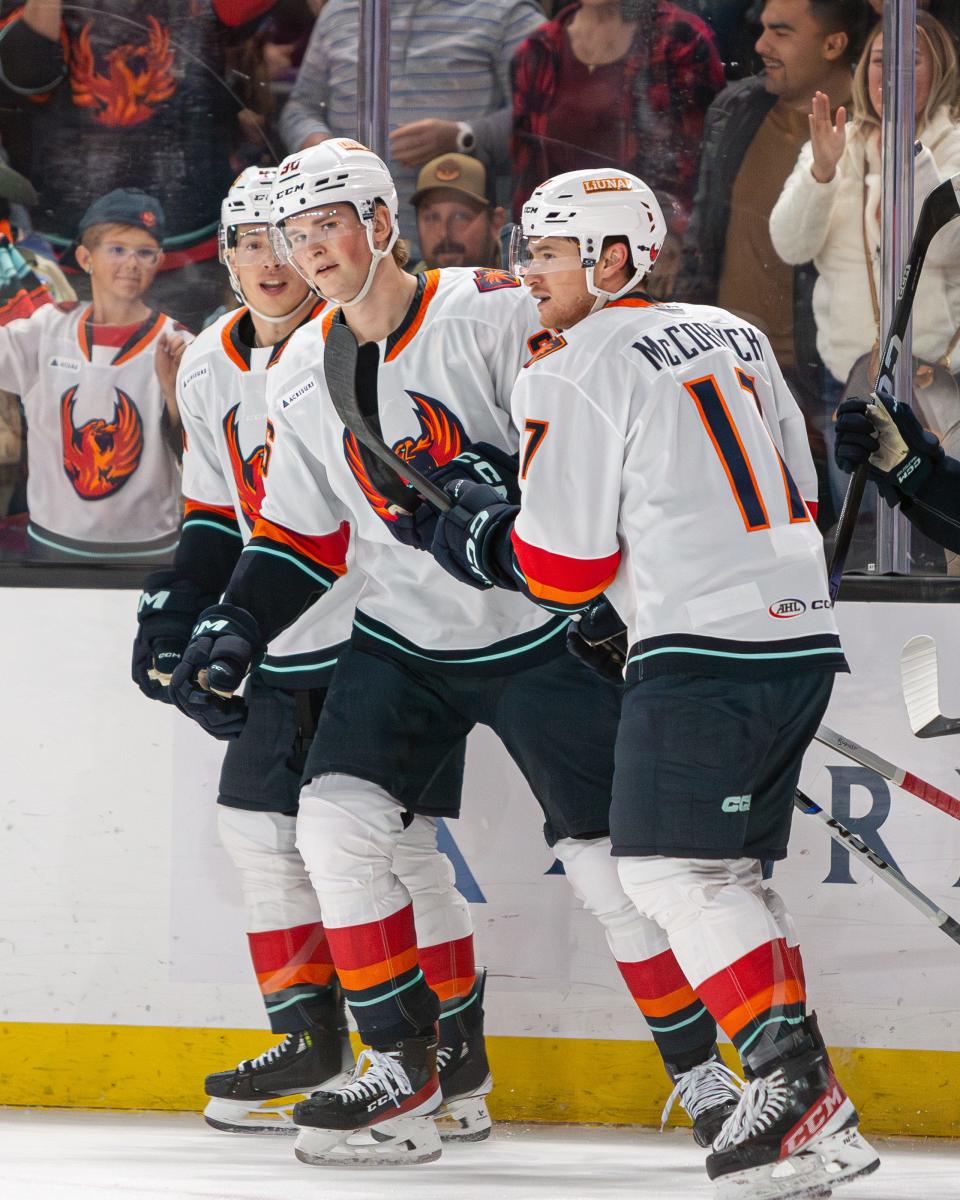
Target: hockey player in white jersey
(102,481)
(663,466)
(222,399)
(428,658)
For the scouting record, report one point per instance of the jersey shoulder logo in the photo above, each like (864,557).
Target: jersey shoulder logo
(491,279)
(139,76)
(248,471)
(100,456)
(543,343)
(441,437)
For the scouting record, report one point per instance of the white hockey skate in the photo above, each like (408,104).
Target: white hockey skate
(383,1117)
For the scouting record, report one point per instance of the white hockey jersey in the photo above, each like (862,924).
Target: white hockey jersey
(103,480)
(221,392)
(665,463)
(445,380)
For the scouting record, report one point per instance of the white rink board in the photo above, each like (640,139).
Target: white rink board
(120,907)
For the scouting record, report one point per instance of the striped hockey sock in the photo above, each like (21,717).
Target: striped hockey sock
(449,968)
(683,1029)
(293,967)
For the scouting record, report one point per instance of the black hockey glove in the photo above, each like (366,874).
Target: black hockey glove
(599,639)
(225,644)
(887,435)
(471,541)
(482,463)
(166,614)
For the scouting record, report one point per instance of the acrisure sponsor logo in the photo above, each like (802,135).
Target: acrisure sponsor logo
(791,607)
(298,393)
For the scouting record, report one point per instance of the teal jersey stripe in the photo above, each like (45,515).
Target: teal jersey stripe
(311,666)
(251,549)
(477,658)
(192,521)
(101,554)
(732,654)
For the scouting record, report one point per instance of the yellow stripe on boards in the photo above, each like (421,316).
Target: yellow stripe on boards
(536,1079)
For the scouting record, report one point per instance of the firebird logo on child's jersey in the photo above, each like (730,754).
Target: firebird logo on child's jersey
(100,456)
(138,77)
(441,438)
(248,472)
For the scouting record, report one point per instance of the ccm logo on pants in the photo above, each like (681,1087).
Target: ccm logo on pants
(736,804)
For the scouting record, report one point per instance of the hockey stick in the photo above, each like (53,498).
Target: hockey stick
(351,374)
(886,871)
(920,676)
(939,208)
(896,775)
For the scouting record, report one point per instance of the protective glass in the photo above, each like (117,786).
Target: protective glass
(542,255)
(298,235)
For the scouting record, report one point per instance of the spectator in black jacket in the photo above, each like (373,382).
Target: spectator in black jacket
(753,135)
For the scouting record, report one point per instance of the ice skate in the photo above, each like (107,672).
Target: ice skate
(259,1094)
(794,1133)
(708,1094)
(463,1068)
(383,1117)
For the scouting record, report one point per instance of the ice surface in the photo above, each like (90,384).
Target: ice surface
(56,1154)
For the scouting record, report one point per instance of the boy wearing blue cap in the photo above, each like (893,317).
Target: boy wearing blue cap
(97,383)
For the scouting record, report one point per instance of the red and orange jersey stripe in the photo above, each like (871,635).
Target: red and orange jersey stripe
(83,333)
(192,507)
(142,341)
(327,550)
(429,291)
(226,341)
(563,580)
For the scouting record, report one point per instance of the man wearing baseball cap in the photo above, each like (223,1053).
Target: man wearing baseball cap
(457,223)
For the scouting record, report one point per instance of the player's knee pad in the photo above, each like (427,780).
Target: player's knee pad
(347,834)
(440,912)
(592,873)
(675,892)
(277,891)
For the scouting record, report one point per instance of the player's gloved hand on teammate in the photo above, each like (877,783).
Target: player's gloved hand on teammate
(472,540)
(166,615)
(598,637)
(887,435)
(225,644)
(481,463)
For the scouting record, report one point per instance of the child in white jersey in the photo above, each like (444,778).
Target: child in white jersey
(97,384)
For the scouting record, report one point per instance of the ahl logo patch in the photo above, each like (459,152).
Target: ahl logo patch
(791,607)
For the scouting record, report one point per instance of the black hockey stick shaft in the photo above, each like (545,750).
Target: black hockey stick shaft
(345,370)
(940,207)
(880,867)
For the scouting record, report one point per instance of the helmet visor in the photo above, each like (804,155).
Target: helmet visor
(299,236)
(542,255)
(252,247)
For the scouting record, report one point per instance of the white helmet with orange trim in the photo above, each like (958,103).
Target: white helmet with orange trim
(246,209)
(590,206)
(337,171)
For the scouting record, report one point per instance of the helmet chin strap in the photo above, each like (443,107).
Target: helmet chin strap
(603,297)
(308,299)
(377,255)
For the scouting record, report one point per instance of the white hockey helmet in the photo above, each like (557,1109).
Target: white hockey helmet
(337,171)
(247,204)
(589,206)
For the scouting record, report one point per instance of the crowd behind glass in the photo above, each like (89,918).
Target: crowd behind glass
(757,123)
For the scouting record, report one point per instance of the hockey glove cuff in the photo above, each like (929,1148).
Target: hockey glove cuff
(225,644)
(166,613)
(599,639)
(472,540)
(481,463)
(887,435)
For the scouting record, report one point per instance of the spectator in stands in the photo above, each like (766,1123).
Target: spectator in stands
(754,131)
(458,221)
(614,82)
(829,210)
(97,384)
(449,83)
(129,96)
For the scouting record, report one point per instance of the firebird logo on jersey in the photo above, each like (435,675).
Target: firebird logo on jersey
(138,77)
(489,280)
(248,472)
(440,439)
(100,456)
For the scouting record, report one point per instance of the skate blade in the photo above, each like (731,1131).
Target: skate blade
(402,1141)
(822,1165)
(270,1116)
(465,1120)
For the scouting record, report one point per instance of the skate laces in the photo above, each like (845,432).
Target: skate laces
(383,1073)
(705,1086)
(271,1055)
(761,1103)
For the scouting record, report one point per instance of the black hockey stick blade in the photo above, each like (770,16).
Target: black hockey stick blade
(881,868)
(347,368)
(920,677)
(940,207)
